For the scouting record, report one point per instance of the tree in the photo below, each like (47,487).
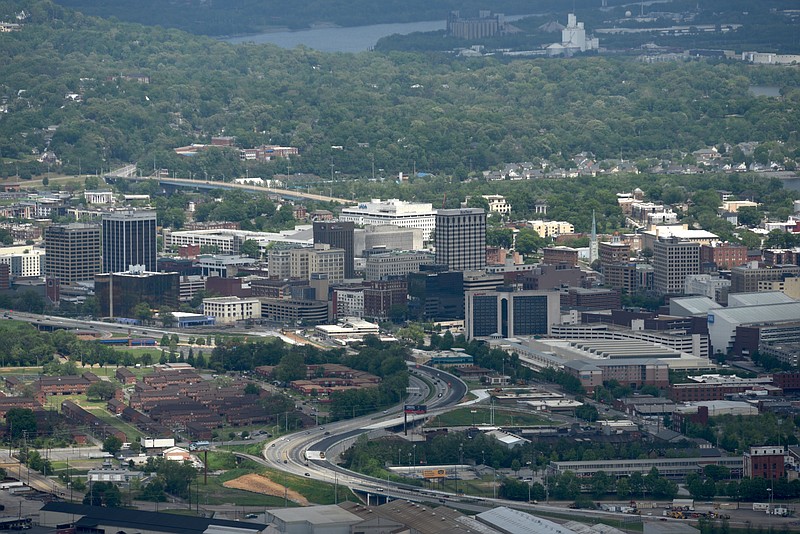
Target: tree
(587,412)
(623,488)
(749,216)
(167,317)
(103,494)
(250,248)
(516,466)
(601,484)
(291,367)
(478,201)
(154,491)
(20,422)
(142,312)
(112,444)
(529,241)
(101,390)
(251,389)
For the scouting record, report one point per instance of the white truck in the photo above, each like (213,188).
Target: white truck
(760,507)
(779,510)
(156,443)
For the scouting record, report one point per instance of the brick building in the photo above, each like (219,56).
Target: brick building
(765,462)
(724,255)
(65,385)
(559,255)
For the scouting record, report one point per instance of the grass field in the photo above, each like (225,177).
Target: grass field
(313,490)
(131,431)
(482,416)
(215,493)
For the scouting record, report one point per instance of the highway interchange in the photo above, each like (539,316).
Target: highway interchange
(299,453)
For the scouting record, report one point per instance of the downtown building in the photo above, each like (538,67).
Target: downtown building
(73,252)
(393,212)
(129,238)
(460,239)
(340,235)
(510,313)
(673,260)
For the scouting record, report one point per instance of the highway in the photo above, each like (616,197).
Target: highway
(289,453)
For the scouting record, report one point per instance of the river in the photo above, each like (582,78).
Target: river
(338,39)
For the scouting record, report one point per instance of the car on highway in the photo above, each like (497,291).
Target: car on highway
(308,474)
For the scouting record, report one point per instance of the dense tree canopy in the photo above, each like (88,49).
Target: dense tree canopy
(400,111)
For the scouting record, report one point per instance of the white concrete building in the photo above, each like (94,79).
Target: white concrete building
(551,228)
(353,329)
(704,284)
(395,263)
(227,310)
(23,262)
(395,212)
(574,39)
(98,197)
(348,302)
(498,204)
(226,241)
(321,259)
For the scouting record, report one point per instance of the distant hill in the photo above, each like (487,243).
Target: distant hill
(236,17)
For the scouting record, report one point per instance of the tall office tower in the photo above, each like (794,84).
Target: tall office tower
(460,239)
(73,252)
(338,234)
(129,238)
(673,260)
(510,313)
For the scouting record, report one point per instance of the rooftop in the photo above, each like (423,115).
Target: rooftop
(136,520)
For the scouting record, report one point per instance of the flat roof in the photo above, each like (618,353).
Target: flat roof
(150,521)
(516,522)
(315,515)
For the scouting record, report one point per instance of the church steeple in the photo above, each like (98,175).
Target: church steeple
(593,242)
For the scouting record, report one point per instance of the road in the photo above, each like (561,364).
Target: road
(205,184)
(289,453)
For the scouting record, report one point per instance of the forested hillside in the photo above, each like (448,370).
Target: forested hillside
(401,111)
(228,17)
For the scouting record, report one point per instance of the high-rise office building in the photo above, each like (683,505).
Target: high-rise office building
(436,294)
(510,313)
(460,239)
(129,238)
(73,252)
(338,234)
(673,260)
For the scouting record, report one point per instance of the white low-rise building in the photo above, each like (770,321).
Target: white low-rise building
(395,212)
(227,310)
(352,329)
(98,197)
(551,228)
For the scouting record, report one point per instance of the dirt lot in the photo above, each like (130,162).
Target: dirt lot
(262,484)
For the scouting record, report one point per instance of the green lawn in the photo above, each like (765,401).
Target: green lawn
(215,493)
(314,490)
(54,401)
(482,416)
(131,431)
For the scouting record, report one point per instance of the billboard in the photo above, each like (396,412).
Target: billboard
(415,408)
(434,473)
